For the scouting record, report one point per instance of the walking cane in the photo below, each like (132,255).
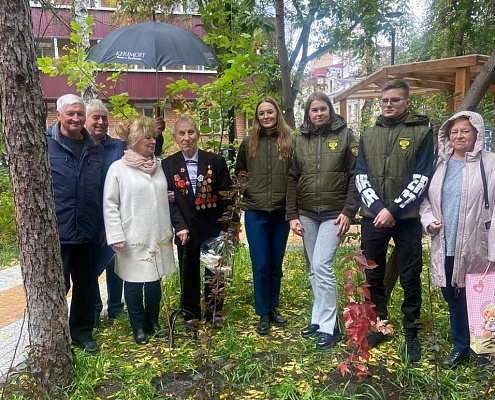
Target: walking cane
(175,314)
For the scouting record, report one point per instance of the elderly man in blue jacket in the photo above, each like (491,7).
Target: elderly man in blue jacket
(113,150)
(77,164)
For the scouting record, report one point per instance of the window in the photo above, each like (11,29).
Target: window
(149,112)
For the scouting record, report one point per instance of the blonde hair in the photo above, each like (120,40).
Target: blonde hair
(133,132)
(284,140)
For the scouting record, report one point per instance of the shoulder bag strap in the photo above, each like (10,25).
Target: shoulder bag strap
(485,186)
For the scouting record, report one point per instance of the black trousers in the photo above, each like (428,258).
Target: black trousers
(407,238)
(190,275)
(77,260)
(143,315)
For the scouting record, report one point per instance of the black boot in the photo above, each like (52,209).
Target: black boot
(140,336)
(264,325)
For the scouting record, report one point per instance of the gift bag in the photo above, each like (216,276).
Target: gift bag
(480,298)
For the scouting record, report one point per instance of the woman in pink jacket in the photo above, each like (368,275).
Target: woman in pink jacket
(454,215)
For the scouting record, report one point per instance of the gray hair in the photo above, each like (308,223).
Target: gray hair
(68,100)
(185,118)
(96,105)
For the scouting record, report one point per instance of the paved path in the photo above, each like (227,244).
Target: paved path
(13,327)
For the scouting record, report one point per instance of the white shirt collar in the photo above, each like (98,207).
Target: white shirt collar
(193,158)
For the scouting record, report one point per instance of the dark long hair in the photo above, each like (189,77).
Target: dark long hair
(312,97)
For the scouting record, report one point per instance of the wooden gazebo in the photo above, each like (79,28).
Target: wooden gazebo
(452,75)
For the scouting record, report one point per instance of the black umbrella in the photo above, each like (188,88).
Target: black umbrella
(152,44)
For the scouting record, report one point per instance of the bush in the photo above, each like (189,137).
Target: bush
(8,238)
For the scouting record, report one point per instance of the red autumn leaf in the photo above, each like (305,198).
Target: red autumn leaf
(348,288)
(343,368)
(363,290)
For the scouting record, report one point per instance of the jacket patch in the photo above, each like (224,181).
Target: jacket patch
(354,148)
(333,144)
(404,143)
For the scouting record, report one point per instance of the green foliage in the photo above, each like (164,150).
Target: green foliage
(247,72)
(8,235)
(79,72)
(82,73)
(458,28)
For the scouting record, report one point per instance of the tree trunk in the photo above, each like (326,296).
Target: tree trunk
(283,60)
(480,85)
(80,8)
(22,118)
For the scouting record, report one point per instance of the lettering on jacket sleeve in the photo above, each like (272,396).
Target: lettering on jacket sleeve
(367,193)
(414,190)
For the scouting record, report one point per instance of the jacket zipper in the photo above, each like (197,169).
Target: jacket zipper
(269,175)
(387,163)
(318,175)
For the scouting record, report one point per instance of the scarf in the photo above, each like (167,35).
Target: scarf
(136,160)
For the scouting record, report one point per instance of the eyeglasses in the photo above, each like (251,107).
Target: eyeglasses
(394,101)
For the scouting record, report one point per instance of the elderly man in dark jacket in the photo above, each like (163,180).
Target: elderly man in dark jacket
(77,171)
(196,178)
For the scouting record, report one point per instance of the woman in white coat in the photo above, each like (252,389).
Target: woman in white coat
(454,214)
(138,226)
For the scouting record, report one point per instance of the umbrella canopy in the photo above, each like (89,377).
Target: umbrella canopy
(152,44)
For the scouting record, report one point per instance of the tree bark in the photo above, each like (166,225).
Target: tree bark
(480,85)
(23,117)
(80,14)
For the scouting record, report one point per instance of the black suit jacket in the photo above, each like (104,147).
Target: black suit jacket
(198,213)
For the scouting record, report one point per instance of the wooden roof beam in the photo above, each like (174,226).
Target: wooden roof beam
(434,65)
(361,85)
(462,84)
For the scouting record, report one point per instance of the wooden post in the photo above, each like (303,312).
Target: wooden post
(343,108)
(462,83)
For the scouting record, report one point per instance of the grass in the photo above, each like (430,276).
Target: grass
(244,365)
(8,242)
(9,255)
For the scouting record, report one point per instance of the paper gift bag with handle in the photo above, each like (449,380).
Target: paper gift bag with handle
(480,298)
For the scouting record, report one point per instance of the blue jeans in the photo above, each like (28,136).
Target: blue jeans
(321,243)
(267,234)
(456,300)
